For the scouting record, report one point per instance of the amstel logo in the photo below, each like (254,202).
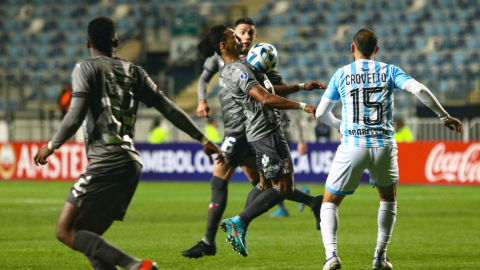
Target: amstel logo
(8,161)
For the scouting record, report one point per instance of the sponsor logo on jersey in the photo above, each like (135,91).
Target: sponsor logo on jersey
(369,131)
(212,205)
(463,167)
(270,168)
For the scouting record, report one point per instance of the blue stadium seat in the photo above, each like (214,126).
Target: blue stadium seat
(12,64)
(39,65)
(291,33)
(71,51)
(15,51)
(42,51)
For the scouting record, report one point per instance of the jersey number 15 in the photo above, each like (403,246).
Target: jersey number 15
(377,105)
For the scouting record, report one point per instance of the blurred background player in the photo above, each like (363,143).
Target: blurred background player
(158,134)
(403,133)
(106,93)
(366,89)
(237,150)
(322,132)
(211,131)
(64,99)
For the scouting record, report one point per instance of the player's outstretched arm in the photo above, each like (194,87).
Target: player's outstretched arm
(427,98)
(70,124)
(285,90)
(276,102)
(324,113)
(183,122)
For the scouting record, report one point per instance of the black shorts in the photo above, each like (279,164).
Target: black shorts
(106,191)
(273,155)
(236,148)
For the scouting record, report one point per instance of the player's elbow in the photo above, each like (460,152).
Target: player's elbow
(320,116)
(265,100)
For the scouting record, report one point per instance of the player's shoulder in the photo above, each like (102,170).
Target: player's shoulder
(240,65)
(213,60)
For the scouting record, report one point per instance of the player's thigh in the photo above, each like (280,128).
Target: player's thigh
(284,183)
(249,168)
(384,168)
(236,149)
(273,155)
(223,171)
(73,219)
(106,191)
(346,171)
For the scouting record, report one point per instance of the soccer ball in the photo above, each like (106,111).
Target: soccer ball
(264,56)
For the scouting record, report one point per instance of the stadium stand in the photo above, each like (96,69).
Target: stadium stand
(435,41)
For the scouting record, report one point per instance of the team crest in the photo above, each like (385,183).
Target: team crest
(212,205)
(286,162)
(265,160)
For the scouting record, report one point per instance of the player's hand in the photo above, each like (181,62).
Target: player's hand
(311,109)
(42,155)
(203,109)
(453,124)
(302,148)
(314,85)
(210,149)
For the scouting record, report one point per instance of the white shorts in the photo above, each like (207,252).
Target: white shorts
(350,163)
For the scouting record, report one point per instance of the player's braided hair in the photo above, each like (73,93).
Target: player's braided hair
(211,43)
(245,20)
(366,41)
(101,32)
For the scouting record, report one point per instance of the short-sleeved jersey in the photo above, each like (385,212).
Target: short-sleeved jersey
(114,87)
(366,89)
(233,116)
(239,77)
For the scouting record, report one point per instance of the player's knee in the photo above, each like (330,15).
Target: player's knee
(65,236)
(265,184)
(286,190)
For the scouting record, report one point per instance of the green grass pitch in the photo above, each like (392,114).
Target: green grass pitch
(437,228)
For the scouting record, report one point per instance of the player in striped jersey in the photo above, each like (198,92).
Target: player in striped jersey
(366,89)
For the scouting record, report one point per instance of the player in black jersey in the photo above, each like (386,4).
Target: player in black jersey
(106,94)
(236,148)
(252,91)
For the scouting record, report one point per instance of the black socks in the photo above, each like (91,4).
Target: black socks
(217,206)
(264,202)
(302,197)
(95,247)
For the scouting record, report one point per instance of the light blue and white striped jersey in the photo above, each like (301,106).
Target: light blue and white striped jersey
(366,88)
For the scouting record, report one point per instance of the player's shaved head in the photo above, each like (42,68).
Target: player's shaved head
(101,33)
(365,41)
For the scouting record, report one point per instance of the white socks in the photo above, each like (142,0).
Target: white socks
(386,221)
(329,226)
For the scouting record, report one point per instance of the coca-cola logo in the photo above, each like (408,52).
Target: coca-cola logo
(462,167)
